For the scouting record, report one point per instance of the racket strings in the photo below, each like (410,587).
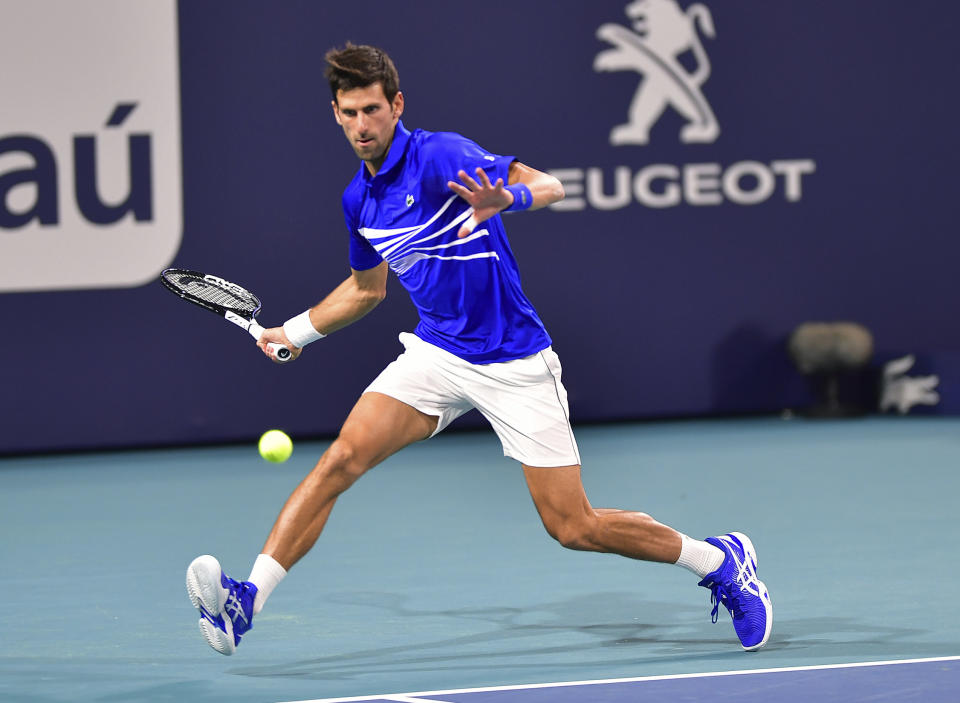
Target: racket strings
(216,292)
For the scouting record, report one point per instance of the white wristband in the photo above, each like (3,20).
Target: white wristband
(300,331)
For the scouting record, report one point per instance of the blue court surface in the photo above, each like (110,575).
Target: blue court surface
(931,680)
(435,576)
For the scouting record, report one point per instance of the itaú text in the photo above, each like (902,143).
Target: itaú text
(667,185)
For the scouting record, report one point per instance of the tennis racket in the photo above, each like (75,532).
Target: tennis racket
(235,303)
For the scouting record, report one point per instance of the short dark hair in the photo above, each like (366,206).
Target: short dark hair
(359,66)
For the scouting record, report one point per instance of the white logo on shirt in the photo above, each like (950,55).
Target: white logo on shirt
(410,200)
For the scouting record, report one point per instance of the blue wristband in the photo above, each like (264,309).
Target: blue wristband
(522,197)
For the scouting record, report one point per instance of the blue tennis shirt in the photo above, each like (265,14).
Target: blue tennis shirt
(467,291)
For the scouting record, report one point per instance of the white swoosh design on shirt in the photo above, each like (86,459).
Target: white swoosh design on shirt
(406,262)
(400,249)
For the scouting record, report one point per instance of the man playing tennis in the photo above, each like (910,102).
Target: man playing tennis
(426,205)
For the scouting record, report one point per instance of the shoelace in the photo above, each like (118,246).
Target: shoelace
(731,602)
(234,607)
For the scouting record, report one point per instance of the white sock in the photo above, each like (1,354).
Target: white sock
(699,556)
(265,575)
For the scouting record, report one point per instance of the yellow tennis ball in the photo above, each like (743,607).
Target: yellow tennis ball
(275,446)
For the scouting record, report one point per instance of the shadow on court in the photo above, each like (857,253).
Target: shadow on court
(513,644)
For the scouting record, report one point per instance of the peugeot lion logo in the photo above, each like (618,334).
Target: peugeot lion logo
(663,44)
(661,33)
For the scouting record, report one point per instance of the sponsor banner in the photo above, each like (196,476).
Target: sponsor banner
(732,170)
(90,165)
(665,45)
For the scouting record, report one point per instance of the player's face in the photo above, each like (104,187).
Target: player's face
(368,120)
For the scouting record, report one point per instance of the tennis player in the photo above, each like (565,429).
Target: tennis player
(427,206)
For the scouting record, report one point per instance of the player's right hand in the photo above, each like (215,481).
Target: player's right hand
(277,336)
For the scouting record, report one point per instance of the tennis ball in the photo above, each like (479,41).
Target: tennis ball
(275,446)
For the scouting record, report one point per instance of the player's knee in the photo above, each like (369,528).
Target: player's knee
(572,534)
(341,465)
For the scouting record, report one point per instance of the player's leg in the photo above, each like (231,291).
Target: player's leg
(377,427)
(568,517)
(526,403)
(727,565)
(409,401)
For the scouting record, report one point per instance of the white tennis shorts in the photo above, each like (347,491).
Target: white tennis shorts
(523,400)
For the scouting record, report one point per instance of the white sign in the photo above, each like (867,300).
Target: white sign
(661,33)
(90,163)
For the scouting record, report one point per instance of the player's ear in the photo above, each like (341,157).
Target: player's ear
(336,112)
(397,105)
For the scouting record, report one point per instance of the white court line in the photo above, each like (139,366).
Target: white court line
(427,696)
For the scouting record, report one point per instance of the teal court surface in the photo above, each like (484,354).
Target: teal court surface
(435,581)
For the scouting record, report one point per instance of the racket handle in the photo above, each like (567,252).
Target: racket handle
(279,351)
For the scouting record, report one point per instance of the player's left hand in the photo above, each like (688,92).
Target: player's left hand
(486,198)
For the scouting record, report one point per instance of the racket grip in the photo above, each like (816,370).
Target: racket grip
(279,351)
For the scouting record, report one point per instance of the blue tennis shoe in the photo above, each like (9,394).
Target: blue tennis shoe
(736,586)
(225,605)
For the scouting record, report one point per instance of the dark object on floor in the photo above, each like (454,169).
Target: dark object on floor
(832,355)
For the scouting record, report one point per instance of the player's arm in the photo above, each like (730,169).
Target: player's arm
(360,293)
(544,188)
(526,189)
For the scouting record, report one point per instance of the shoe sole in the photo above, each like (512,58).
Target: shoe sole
(206,594)
(751,554)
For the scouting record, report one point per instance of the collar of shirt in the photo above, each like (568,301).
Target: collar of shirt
(397,147)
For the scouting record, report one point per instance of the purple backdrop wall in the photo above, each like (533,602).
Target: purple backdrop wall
(822,189)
